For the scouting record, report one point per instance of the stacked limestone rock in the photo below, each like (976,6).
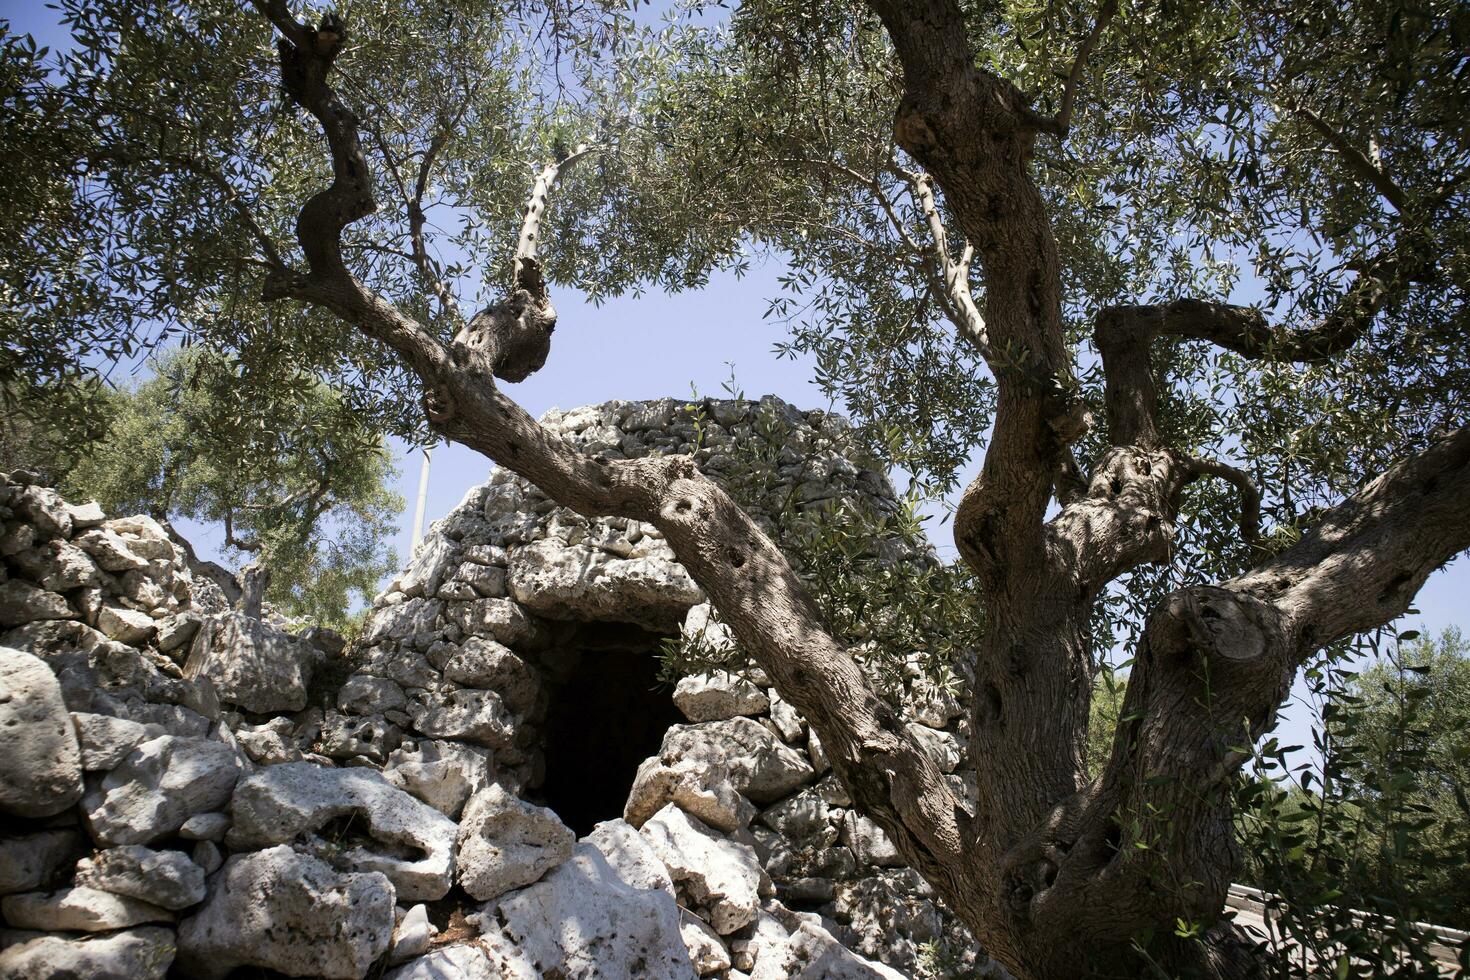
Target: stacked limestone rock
(463,653)
(186,788)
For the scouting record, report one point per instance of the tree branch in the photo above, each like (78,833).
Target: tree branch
(738,566)
(1061,124)
(1214,664)
(525,266)
(1244,330)
(956,272)
(1356,160)
(1250,497)
(416,220)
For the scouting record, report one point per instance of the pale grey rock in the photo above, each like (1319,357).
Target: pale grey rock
(503,620)
(145,537)
(788,723)
(206,826)
(126,625)
(146,591)
(412,935)
(79,909)
(286,802)
(719,696)
(584,583)
(111,551)
(288,912)
(868,842)
(136,954)
(443,774)
(457,592)
(813,953)
(941,747)
(366,695)
(890,916)
(452,963)
(42,771)
(208,856)
(483,663)
(760,766)
(167,879)
(176,631)
(160,784)
(630,856)
(269,745)
(704,789)
(467,714)
(105,741)
(369,737)
(816,753)
(32,861)
(406,668)
(16,537)
(251,664)
(766,942)
(933,705)
(21,602)
(584,920)
(44,509)
(702,628)
(485,579)
(706,950)
(714,872)
(85,515)
(57,566)
(799,817)
(506,843)
(426,570)
(406,619)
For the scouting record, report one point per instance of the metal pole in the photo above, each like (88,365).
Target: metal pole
(418,513)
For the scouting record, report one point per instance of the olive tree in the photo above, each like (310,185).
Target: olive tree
(1013,228)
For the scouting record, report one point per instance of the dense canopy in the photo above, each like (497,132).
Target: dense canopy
(1189,276)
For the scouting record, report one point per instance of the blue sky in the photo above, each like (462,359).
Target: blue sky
(659,345)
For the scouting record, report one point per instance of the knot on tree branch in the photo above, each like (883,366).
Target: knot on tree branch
(510,339)
(1250,497)
(1215,623)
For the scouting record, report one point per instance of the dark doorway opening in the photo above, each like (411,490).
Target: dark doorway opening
(607,715)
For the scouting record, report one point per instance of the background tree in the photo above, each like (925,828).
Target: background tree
(1369,838)
(284,470)
(1015,227)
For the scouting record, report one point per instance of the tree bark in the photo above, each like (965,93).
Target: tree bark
(1056,872)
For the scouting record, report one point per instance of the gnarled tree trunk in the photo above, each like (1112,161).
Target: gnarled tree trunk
(1057,870)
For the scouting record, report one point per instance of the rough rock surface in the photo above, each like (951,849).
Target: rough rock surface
(288,912)
(713,873)
(167,879)
(251,664)
(135,954)
(505,843)
(354,765)
(31,861)
(719,696)
(42,774)
(78,909)
(298,799)
(585,920)
(160,784)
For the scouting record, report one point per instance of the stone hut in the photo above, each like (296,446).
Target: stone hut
(495,780)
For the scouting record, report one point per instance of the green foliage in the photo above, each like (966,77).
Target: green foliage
(1375,836)
(1106,708)
(871,572)
(289,472)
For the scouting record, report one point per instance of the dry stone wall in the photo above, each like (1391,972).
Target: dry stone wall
(190,791)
